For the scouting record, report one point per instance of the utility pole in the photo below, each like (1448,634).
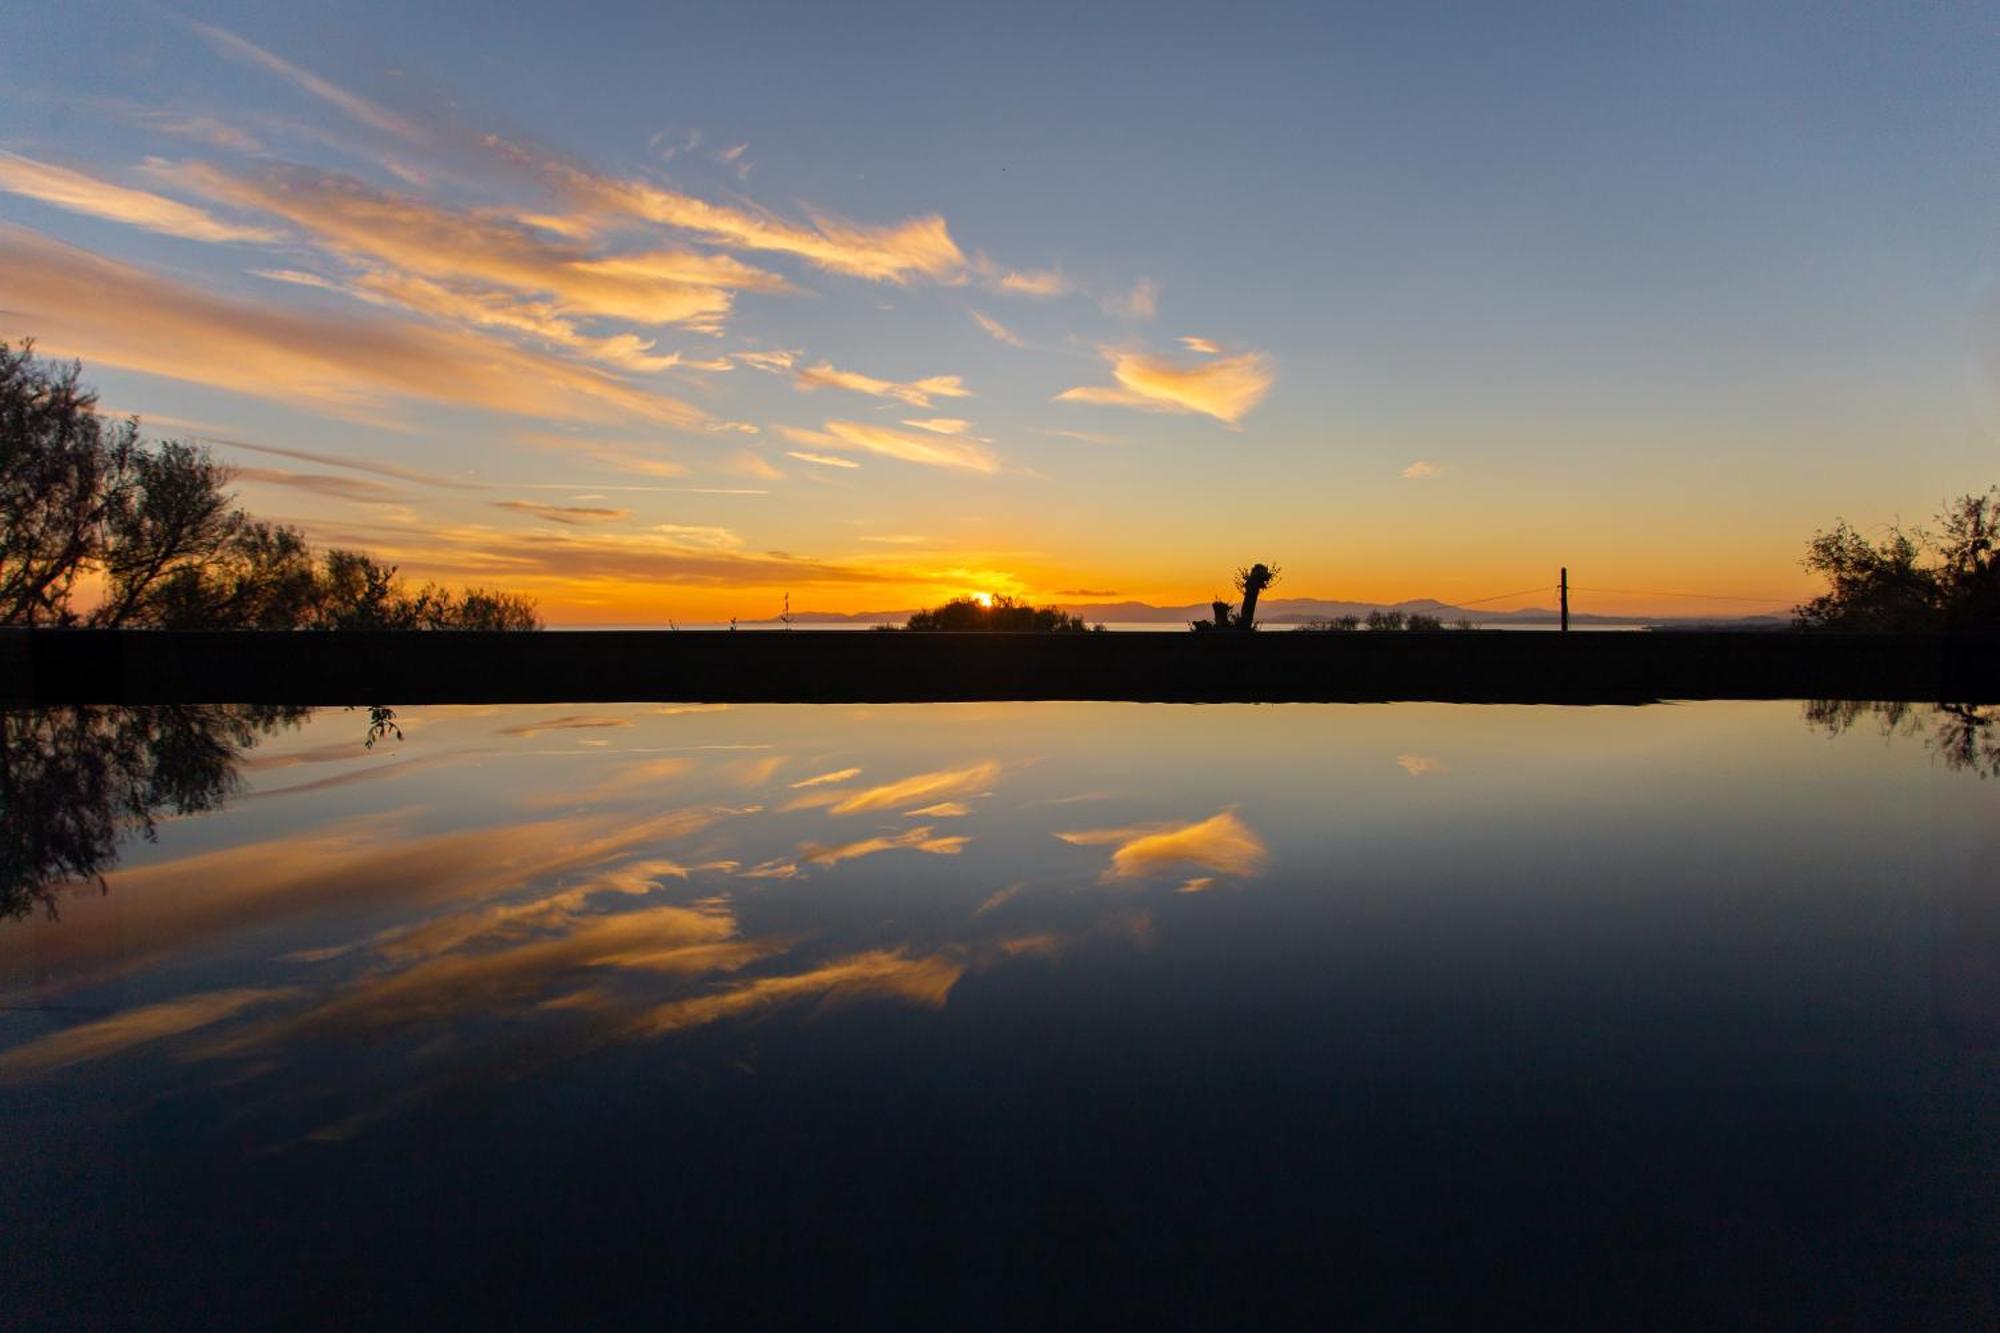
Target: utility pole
(1564,589)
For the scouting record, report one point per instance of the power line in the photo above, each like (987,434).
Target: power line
(1702,596)
(1496,597)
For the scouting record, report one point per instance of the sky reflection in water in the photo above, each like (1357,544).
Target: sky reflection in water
(1282,995)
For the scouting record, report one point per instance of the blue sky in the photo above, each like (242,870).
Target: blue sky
(1650,291)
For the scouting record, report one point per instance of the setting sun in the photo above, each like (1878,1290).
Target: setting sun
(983,598)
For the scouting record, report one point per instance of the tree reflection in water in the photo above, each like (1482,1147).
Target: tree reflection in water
(1965,908)
(74,780)
(1963,735)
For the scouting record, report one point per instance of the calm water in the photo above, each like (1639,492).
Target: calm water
(984,1015)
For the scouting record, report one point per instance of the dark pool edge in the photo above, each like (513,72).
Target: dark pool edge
(157,666)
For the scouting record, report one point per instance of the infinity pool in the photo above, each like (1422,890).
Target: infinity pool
(983,1015)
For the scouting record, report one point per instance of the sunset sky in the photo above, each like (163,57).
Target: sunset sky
(666,311)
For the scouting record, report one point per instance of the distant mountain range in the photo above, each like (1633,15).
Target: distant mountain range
(1300,610)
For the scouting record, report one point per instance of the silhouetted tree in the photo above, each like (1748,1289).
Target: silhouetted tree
(158,527)
(1965,736)
(1004,616)
(73,781)
(63,474)
(1911,580)
(1251,583)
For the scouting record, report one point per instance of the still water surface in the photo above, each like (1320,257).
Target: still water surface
(977,1015)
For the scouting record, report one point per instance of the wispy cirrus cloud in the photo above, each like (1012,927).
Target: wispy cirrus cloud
(1223,387)
(917,393)
(822,460)
(211,130)
(1034,282)
(75,192)
(880,973)
(996,330)
(1140,301)
(574,515)
(79,303)
(360,108)
(577,558)
(448,262)
(1422,470)
(377,466)
(359,489)
(620,455)
(121,1032)
(929,449)
(917,839)
(970,780)
(898,252)
(941,425)
(838,775)
(485,310)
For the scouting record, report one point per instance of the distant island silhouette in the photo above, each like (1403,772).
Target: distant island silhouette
(1289,611)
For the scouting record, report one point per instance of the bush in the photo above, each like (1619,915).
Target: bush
(1004,616)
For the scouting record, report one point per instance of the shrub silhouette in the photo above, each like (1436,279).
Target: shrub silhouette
(1004,616)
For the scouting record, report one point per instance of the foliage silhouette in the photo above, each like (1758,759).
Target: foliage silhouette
(75,780)
(1003,616)
(1965,736)
(1911,580)
(157,527)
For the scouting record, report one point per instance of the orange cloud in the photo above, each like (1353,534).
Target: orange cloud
(921,787)
(1035,282)
(824,460)
(916,839)
(898,252)
(62,188)
(917,393)
(941,425)
(85,305)
(919,247)
(413,238)
(910,448)
(1225,388)
(1221,843)
(135,1027)
(673,940)
(826,779)
(881,973)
